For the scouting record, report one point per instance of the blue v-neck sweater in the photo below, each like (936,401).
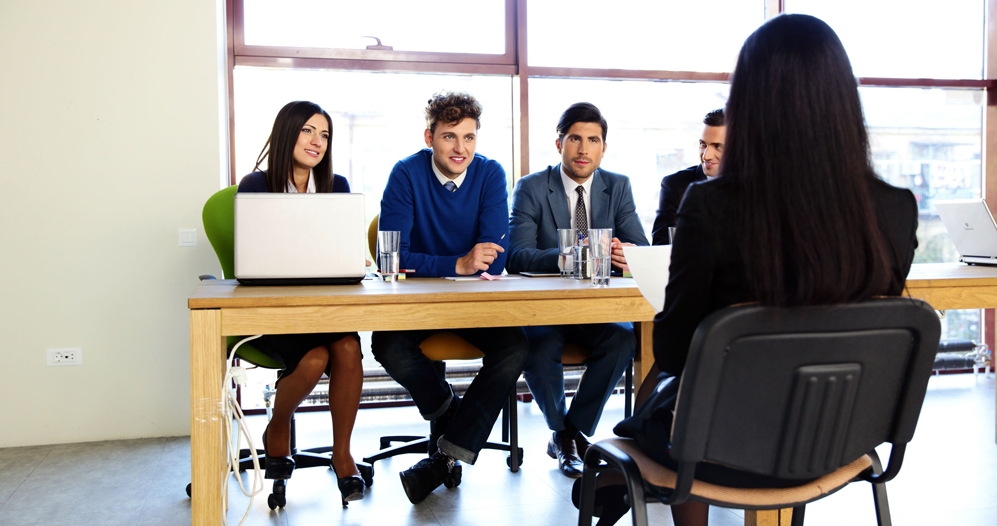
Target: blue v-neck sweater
(439,226)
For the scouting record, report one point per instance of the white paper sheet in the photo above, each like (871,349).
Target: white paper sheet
(649,267)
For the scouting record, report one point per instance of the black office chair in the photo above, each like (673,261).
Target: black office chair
(802,393)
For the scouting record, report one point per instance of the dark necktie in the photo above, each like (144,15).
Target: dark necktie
(581,218)
(450,185)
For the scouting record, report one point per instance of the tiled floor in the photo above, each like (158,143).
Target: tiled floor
(949,477)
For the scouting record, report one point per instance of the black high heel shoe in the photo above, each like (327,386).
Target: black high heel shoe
(276,468)
(351,488)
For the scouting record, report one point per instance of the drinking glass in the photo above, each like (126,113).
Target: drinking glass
(601,251)
(566,251)
(387,247)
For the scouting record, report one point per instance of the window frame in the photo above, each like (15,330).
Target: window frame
(514,63)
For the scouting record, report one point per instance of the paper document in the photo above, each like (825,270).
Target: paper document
(649,267)
(484,276)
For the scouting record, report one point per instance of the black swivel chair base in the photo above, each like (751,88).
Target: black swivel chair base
(305,458)
(420,444)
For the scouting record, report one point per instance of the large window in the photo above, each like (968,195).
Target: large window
(400,25)
(654,69)
(910,39)
(930,141)
(377,117)
(640,35)
(653,127)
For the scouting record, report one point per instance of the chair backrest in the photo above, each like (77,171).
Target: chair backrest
(798,393)
(218,217)
(372,240)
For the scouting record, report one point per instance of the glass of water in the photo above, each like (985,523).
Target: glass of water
(600,252)
(388,242)
(566,251)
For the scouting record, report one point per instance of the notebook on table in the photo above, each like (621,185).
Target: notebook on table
(300,239)
(972,229)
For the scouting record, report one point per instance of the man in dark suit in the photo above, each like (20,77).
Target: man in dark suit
(574,194)
(673,187)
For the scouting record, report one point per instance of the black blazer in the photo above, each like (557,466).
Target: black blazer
(540,207)
(257,182)
(707,272)
(673,187)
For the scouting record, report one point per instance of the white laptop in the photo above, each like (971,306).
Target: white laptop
(972,229)
(299,239)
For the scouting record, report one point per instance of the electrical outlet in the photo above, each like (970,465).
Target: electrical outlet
(59,357)
(188,237)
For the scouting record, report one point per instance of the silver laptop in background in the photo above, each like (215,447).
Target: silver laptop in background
(972,229)
(300,239)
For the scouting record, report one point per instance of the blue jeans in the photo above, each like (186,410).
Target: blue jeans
(505,351)
(612,346)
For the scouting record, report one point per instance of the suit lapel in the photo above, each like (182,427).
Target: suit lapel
(557,199)
(600,202)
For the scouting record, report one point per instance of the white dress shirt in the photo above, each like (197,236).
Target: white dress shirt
(569,190)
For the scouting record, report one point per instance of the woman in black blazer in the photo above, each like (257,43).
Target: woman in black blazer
(298,162)
(797,217)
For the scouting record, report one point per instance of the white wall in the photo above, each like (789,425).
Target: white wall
(111,139)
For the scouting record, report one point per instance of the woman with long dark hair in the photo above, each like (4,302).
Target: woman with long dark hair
(798,217)
(298,161)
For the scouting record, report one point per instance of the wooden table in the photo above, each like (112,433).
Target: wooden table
(222,308)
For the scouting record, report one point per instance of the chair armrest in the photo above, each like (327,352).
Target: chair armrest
(877,474)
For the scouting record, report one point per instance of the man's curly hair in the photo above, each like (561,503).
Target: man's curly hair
(451,107)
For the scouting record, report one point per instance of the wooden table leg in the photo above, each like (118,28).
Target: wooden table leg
(644,357)
(783,517)
(207,459)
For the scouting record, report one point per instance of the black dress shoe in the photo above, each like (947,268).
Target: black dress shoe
(275,468)
(581,444)
(441,423)
(421,479)
(563,449)
(351,488)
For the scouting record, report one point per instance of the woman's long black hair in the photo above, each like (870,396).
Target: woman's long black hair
(797,147)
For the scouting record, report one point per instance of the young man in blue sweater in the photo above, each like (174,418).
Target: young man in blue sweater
(450,206)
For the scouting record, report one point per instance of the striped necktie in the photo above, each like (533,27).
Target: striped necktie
(450,185)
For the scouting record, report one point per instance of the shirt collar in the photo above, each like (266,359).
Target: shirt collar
(291,189)
(442,178)
(570,184)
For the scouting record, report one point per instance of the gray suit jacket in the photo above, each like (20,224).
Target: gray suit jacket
(540,207)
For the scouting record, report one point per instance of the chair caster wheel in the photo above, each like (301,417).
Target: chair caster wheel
(508,460)
(275,501)
(453,479)
(278,499)
(366,473)
(188,490)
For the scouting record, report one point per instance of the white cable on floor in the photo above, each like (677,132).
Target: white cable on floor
(231,410)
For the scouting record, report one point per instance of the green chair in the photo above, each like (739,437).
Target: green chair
(218,217)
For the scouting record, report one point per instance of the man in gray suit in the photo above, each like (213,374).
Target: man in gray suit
(573,194)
